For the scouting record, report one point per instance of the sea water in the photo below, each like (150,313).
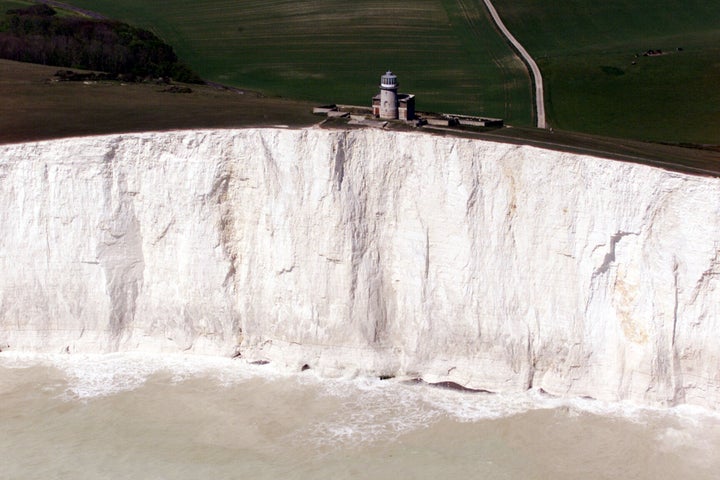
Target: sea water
(183,417)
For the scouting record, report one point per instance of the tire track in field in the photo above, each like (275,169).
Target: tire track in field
(472,23)
(534,69)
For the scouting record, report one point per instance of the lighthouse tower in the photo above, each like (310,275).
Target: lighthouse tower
(388,96)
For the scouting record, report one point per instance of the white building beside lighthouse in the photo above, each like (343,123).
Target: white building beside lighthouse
(391,105)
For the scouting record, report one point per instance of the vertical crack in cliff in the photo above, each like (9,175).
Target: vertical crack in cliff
(531,359)
(427,254)
(367,284)
(339,167)
(270,167)
(472,196)
(678,382)
(356,219)
(218,195)
(712,272)
(367,287)
(425,287)
(377,308)
(120,254)
(675,305)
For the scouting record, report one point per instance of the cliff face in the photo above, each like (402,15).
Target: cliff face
(494,266)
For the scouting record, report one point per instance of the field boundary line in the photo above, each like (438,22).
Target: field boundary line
(534,69)
(82,11)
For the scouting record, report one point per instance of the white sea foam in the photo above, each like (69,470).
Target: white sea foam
(99,375)
(368,409)
(124,415)
(375,409)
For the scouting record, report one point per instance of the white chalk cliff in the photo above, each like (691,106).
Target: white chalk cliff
(494,266)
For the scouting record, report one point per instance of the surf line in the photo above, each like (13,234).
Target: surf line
(534,69)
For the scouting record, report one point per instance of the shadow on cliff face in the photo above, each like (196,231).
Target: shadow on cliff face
(120,252)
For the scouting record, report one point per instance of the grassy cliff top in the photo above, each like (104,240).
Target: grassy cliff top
(36,108)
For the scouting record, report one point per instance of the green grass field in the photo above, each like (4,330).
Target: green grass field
(445,51)
(35,109)
(448,53)
(586,51)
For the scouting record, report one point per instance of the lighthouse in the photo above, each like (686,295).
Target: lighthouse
(391,105)
(389,96)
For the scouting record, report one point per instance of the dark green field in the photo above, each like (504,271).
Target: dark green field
(586,51)
(444,51)
(447,52)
